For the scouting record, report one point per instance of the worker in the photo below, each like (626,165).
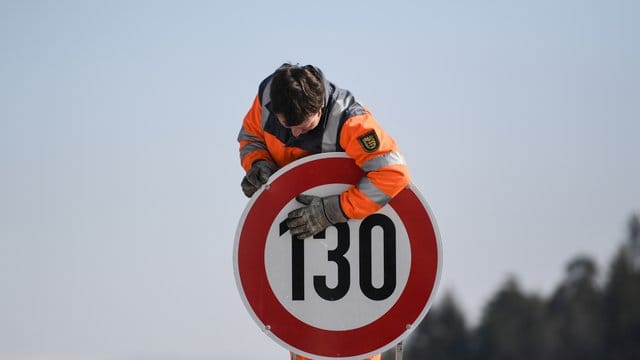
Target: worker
(298,112)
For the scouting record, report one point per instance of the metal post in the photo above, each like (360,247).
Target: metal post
(399,351)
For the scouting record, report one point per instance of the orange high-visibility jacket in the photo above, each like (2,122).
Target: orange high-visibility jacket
(345,126)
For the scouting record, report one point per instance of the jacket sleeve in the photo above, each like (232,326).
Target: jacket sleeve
(251,137)
(376,153)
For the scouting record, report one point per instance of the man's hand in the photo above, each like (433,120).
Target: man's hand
(258,175)
(319,214)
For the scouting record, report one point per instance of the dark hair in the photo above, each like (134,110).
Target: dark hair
(297,92)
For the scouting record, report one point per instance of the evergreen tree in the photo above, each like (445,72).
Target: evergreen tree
(511,327)
(575,320)
(442,335)
(622,299)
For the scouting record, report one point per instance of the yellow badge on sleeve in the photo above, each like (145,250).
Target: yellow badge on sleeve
(369,141)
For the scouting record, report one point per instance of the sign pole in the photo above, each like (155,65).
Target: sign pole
(399,351)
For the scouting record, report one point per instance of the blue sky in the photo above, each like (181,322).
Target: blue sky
(119,192)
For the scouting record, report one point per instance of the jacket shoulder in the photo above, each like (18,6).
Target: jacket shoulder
(263,86)
(344,104)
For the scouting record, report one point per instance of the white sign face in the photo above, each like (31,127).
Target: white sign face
(349,292)
(318,280)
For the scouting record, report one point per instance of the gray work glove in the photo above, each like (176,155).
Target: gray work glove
(319,214)
(258,175)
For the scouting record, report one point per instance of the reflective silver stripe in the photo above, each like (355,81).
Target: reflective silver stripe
(391,158)
(343,100)
(251,148)
(372,192)
(330,136)
(266,98)
(246,136)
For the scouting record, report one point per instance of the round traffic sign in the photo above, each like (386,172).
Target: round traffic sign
(349,292)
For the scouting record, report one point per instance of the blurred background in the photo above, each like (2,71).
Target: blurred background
(119,167)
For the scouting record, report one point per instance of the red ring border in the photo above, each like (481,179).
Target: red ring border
(254,285)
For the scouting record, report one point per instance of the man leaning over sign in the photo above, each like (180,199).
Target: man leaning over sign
(296,113)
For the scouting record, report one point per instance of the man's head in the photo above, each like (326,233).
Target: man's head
(297,97)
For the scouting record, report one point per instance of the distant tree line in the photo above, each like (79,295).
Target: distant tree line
(580,320)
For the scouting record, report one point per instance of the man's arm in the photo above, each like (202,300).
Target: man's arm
(376,152)
(386,175)
(251,137)
(254,155)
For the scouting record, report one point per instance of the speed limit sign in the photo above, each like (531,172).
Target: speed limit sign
(349,292)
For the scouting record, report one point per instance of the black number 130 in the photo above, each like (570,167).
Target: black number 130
(344,268)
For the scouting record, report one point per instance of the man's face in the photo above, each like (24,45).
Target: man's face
(307,125)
